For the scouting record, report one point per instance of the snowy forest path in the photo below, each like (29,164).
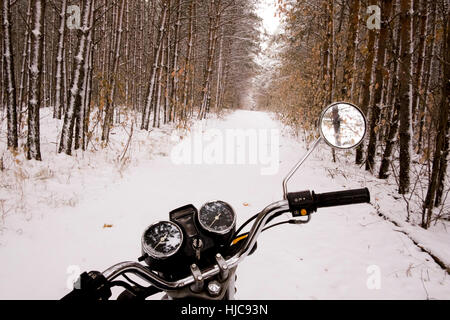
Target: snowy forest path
(344,253)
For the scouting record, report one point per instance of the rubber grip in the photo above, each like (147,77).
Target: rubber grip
(342,198)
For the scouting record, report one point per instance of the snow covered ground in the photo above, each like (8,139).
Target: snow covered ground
(89,212)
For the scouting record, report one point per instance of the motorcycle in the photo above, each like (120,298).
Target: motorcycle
(195,253)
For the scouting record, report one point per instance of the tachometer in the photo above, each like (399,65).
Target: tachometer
(217,217)
(162,240)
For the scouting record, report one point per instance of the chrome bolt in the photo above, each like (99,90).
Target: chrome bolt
(214,288)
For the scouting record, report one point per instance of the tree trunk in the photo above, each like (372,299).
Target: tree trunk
(59,62)
(428,67)
(331,70)
(34,103)
(44,65)
(157,117)
(348,74)
(82,118)
(127,54)
(366,86)
(188,67)
(219,72)
(441,147)
(109,111)
(166,65)
(405,93)
(23,71)
(386,6)
(151,86)
(214,18)
(174,101)
(10,81)
(418,77)
(393,101)
(76,84)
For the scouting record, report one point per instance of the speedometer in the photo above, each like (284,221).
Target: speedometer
(217,217)
(162,240)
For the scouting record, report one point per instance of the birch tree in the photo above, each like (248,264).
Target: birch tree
(24,69)
(152,80)
(9,73)
(109,111)
(175,72)
(74,102)
(59,62)
(188,67)
(214,18)
(34,101)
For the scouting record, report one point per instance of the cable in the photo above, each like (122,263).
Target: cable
(246,223)
(277,224)
(292,221)
(253,218)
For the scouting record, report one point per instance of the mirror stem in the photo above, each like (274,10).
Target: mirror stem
(297,166)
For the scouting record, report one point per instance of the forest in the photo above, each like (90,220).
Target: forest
(391,58)
(114,113)
(96,61)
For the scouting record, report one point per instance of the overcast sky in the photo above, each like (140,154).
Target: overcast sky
(267,12)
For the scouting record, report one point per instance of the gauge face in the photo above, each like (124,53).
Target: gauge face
(162,240)
(217,217)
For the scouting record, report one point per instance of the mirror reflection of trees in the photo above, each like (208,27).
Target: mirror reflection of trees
(343,126)
(336,125)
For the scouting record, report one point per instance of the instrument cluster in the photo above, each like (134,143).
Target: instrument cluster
(191,236)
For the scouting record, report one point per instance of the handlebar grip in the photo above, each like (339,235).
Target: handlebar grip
(341,198)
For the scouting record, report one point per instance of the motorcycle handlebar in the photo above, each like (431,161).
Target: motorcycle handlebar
(146,274)
(295,203)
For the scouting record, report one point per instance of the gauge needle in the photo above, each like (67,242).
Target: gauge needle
(215,219)
(161,240)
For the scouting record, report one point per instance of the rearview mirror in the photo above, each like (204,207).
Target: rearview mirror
(343,125)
